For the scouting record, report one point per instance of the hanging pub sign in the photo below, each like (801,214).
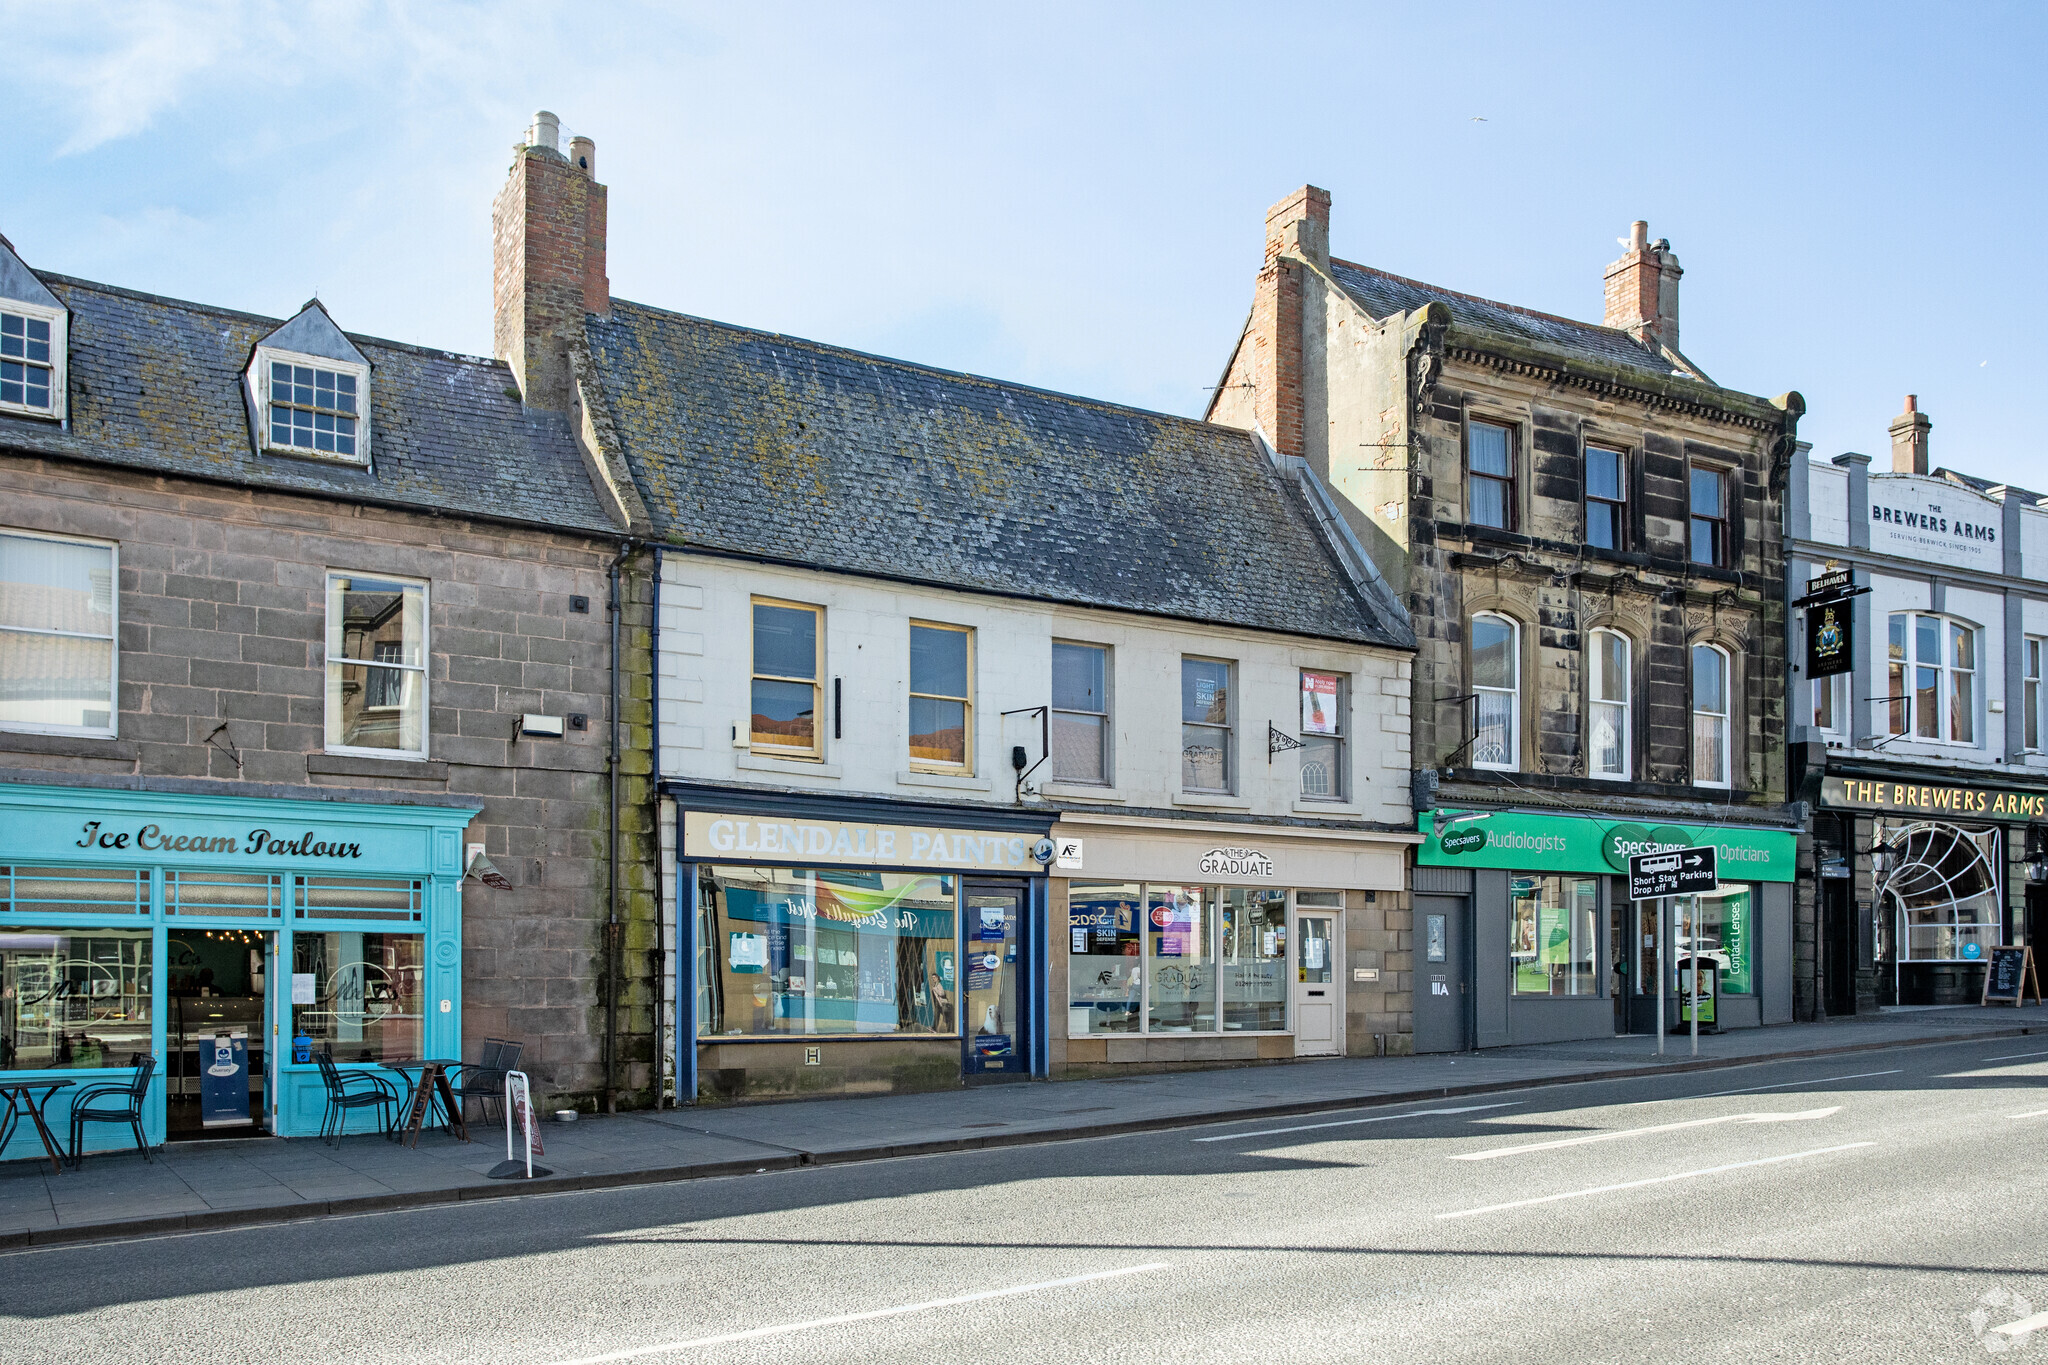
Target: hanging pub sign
(1830,639)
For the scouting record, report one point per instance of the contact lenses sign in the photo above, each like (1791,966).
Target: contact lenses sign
(1524,842)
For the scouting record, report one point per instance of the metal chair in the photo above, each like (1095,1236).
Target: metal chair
(341,1098)
(96,1104)
(484,1079)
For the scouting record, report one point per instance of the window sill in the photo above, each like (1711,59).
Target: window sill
(318,457)
(67,746)
(351,765)
(1303,806)
(790,767)
(1212,800)
(959,782)
(23,410)
(1082,791)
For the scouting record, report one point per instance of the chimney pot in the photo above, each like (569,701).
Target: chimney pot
(545,131)
(583,155)
(1638,235)
(1912,402)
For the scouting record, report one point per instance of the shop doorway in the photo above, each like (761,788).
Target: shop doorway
(1838,947)
(220,1063)
(2037,918)
(992,1024)
(1318,1012)
(1443,995)
(1620,927)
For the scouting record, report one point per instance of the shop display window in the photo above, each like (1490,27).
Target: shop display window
(368,993)
(1104,979)
(1553,934)
(1181,957)
(1252,942)
(1722,924)
(73,997)
(795,951)
(1942,890)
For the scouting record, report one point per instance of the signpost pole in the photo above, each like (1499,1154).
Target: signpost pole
(1663,909)
(1692,951)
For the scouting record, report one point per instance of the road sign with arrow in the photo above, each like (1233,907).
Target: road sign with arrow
(1671,872)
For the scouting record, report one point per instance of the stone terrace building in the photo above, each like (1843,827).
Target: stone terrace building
(271,576)
(1585,531)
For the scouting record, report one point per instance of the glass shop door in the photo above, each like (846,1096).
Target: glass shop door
(220,1072)
(992,935)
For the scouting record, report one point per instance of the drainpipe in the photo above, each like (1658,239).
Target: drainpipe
(654,822)
(615,608)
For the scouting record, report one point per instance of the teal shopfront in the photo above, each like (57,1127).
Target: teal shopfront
(1524,932)
(231,938)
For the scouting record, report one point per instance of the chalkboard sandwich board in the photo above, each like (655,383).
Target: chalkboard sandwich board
(2009,975)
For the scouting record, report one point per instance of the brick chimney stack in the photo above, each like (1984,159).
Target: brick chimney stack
(548,267)
(1642,289)
(1909,438)
(1297,230)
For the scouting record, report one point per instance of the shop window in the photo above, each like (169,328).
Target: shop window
(786,678)
(1933,677)
(73,997)
(2032,690)
(1942,890)
(1607,706)
(1722,927)
(368,989)
(73,891)
(376,666)
(1252,948)
(797,951)
(1325,732)
(941,697)
(1490,475)
(1207,740)
(1606,498)
(1180,960)
(1104,967)
(1080,714)
(1497,688)
(252,894)
(360,898)
(58,618)
(1553,935)
(32,360)
(1707,540)
(1709,716)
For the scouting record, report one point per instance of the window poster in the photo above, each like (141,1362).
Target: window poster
(749,952)
(1319,702)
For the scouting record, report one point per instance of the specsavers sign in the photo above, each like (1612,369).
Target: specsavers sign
(1565,843)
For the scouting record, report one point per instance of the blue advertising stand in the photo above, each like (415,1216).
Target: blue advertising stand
(224,1078)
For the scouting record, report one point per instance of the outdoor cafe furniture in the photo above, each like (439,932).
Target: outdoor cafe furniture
(113,1103)
(355,1090)
(432,1087)
(484,1079)
(22,1100)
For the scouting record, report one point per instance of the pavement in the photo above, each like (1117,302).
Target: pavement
(1880,1206)
(196,1186)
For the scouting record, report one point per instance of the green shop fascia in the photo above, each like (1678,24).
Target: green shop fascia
(1516,841)
(219,934)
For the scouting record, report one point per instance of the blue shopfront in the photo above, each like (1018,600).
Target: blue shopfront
(857,946)
(231,939)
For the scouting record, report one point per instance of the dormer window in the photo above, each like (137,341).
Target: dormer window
(31,362)
(312,409)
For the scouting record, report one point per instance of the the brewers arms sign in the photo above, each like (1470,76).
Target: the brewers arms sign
(1933,799)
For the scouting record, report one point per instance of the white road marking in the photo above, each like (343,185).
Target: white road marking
(1818,1080)
(1653,1180)
(2030,1114)
(757,1333)
(2014,1056)
(2023,1326)
(1348,1123)
(1794,1117)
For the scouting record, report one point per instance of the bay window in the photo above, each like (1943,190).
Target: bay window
(1933,676)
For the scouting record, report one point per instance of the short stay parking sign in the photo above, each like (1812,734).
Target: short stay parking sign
(1671,872)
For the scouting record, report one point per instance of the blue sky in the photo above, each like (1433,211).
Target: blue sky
(1072,196)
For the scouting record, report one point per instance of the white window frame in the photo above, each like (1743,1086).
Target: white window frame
(112,729)
(1107,715)
(1339,742)
(1625,703)
(1945,680)
(259,378)
(815,750)
(2030,690)
(1513,694)
(1232,779)
(1725,715)
(327,664)
(1836,685)
(60,349)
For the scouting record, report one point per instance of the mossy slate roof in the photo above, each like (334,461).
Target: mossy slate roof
(156,384)
(775,448)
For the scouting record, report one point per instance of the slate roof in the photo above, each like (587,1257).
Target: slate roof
(781,449)
(156,384)
(1984,486)
(1381,294)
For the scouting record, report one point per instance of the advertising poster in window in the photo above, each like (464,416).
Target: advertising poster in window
(1735,926)
(1319,702)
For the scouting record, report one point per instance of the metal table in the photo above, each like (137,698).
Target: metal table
(20,1096)
(433,1083)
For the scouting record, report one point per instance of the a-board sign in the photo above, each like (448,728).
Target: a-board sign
(1672,872)
(2009,976)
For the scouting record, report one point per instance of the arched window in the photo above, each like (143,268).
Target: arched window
(1497,683)
(1607,704)
(1709,716)
(1933,677)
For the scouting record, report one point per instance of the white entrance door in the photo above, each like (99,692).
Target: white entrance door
(1318,1009)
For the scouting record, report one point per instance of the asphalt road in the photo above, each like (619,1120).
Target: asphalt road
(1885,1206)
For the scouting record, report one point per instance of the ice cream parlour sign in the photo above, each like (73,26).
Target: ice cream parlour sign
(99,837)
